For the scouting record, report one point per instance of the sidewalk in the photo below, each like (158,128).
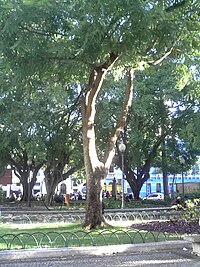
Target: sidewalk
(162,254)
(93,251)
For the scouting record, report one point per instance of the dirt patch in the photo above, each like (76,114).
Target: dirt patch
(180,227)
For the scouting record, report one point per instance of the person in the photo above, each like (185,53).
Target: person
(127,198)
(79,196)
(103,207)
(176,203)
(107,195)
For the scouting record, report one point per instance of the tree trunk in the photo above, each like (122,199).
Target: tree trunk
(23,171)
(54,175)
(51,183)
(24,182)
(135,183)
(97,170)
(94,216)
(165,183)
(26,185)
(136,180)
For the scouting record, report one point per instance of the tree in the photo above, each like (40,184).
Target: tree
(80,42)
(40,128)
(154,133)
(143,135)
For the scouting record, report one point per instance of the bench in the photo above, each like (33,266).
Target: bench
(195,243)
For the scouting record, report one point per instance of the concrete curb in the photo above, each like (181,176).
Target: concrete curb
(100,250)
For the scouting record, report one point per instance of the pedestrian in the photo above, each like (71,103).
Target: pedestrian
(176,203)
(103,207)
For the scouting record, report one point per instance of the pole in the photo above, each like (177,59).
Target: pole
(182,161)
(29,162)
(183,186)
(122,206)
(29,203)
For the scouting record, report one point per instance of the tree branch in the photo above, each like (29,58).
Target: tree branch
(175,6)
(34,31)
(158,61)
(122,120)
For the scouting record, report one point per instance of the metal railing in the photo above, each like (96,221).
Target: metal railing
(42,239)
(79,215)
(82,238)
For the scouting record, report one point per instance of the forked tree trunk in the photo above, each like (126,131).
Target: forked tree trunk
(136,181)
(26,174)
(50,188)
(135,184)
(96,170)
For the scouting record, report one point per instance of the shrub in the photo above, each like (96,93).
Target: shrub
(191,209)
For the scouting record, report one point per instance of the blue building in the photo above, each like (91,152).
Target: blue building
(155,181)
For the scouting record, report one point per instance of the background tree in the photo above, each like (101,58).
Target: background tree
(172,110)
(42,127)
(153,133)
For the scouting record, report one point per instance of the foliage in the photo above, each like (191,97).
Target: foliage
(192,209)
(111,203)
(39,123)
(74,42)
(157,121)
(116,204)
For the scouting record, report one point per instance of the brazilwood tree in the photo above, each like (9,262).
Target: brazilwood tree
(81,42)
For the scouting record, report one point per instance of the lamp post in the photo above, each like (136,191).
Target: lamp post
(29,162)
(182,162)
(122,149)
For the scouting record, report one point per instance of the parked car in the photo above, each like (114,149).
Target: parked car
(155,196)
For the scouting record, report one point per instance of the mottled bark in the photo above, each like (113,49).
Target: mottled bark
(97,170)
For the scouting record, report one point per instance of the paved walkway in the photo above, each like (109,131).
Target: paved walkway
(161,259)
(162,254)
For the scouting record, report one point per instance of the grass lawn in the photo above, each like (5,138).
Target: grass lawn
(23,236)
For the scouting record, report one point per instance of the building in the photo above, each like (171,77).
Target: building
(155,181)
(6,182)
(10,183)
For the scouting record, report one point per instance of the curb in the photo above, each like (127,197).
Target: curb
(92,251)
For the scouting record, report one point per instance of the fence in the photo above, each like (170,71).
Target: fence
(79,215)
(82,238)
(42,239)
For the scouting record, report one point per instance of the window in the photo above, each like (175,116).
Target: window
(170,187)
(158,187)
(111,168)
(148,188)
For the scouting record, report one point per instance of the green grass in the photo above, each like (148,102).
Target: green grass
(23,236)
(44,227)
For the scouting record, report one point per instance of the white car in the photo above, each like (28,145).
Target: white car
(155,196)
